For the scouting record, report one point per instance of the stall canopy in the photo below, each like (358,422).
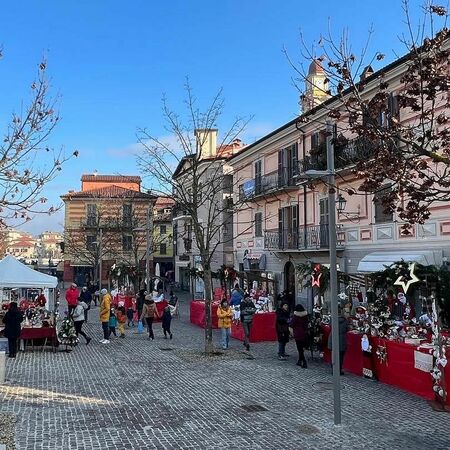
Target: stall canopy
(14,274)
(378,261)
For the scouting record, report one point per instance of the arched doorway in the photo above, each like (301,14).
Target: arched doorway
(289,284)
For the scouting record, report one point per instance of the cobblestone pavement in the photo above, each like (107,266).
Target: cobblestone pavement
(162,394)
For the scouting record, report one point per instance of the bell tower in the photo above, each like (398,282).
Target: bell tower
(316,87)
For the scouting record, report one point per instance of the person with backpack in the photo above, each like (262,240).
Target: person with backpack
(78,319)
(12,320)
(248,309)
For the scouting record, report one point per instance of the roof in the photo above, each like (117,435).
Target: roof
(109,192)
(111,178)
(315,68)
(164,201)
(22,242)
(14,274)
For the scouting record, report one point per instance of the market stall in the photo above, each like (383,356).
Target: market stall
(398,333)
(263,328)
(35,295)
(197,313)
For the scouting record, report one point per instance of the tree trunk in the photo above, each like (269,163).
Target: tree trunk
(209,347)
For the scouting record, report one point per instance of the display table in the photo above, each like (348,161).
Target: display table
(197,313)
(43,333)
(263,328)
(398,370)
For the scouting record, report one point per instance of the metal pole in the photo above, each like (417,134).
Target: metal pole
(147,253)
(100,250)
(333,275)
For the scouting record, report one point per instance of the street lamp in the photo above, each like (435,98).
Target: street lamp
(330,174)
(353,216)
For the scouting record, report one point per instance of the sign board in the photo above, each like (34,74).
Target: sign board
(423,361)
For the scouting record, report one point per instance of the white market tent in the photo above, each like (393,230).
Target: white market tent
(14,274)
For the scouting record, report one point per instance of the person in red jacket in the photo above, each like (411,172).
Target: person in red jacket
(72,295)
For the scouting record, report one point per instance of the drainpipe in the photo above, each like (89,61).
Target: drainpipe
(304,195)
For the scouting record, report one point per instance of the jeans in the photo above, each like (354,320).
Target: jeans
(247,328)
(105,328)
(78,324)
(281,348)
(225,337)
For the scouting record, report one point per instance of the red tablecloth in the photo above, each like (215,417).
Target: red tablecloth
(263,328)
(197,313)
(38,333)
(398,371)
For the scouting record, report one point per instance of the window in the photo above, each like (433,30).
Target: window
(127,243)
(162,249)
(162,229)
(258,176)
(91,213)
(382,216)
(287,165)
(126,214)
(258,225)
(90,242)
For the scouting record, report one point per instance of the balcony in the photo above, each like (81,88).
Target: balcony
(347,153)
(268,183)
(303,238)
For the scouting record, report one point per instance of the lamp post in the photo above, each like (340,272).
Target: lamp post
(330,174)
(100,268)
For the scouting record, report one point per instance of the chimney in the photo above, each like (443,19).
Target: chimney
(206,142)
(366,73)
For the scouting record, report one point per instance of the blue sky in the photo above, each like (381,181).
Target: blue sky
(111,61)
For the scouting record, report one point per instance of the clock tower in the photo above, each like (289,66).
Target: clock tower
(316,87)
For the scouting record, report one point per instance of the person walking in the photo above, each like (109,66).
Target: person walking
(149,313)
(299,325)
(86,297)
(105,307)
(72,295)
(343,328)
(140,299)
(121,320)
(78,319)
(12,320)
(248,309)
(224,315)
(282,328)
(166,320)
(129,308)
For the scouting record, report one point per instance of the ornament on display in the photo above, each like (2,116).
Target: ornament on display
(316,276)
(412,279)
(382,354)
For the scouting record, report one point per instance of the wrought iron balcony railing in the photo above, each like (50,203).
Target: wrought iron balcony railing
(310,237)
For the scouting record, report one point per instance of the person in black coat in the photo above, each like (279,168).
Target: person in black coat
(343,328)
(12,320)
(282,328)
(166,320)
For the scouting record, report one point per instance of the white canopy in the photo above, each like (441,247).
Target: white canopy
(14,274)
(378,261)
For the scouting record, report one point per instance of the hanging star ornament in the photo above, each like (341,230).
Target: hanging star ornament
(315,279)
(412,279)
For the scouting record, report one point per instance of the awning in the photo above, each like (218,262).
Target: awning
(378,261)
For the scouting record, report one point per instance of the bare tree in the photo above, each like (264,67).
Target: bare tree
(196,176)
(27,164)
(403,118)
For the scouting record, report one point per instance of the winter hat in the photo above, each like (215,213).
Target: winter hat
(104,291)
(74,285)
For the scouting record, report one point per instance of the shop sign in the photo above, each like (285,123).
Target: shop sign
(423,361)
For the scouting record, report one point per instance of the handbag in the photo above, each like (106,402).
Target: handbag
(140,327)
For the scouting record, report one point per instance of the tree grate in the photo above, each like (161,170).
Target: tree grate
(253,408)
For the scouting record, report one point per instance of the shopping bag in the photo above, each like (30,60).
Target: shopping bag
(140,327)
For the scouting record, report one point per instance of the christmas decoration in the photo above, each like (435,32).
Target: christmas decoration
(66,333)
(412,279)
(382,354)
